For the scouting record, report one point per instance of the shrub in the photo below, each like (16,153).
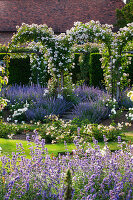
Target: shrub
(58,131)
(125,101)
(92,104)
(81,60)
(98,131)
(85,93)
(20,93)
(19,70)
(84,67)
(93,111)
(6,130)
(46,106)
(124,15)
(76,73)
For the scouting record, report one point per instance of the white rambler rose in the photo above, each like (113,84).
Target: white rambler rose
(54,69)
(130,93)
(113,111)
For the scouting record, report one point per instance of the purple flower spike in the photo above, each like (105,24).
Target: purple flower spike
(119,139)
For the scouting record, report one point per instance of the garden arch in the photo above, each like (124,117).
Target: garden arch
(59,49)
(113,60)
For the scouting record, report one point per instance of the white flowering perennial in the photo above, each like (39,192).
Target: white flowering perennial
(130,94)
(129,115)
(20,111)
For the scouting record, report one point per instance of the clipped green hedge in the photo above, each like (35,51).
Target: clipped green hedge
(19,70)
(81,69)
(76,74)
(82,60)
(95,71)
(130,71)
(2,55)
(84,67)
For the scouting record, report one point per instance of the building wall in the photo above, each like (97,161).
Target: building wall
(58,14)
(5,37)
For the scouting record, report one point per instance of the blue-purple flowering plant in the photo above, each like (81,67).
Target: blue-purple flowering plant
(33,103)
(92,104)
(95,173)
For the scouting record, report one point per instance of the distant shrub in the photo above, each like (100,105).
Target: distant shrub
(125,101)
(58,131)
(94,112)
(81,60)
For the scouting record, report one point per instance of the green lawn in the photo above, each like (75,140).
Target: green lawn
(8,146)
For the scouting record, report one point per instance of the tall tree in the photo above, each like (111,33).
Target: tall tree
(128,1)
(125,15)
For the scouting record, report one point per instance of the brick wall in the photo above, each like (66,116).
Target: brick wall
(58,14)
(5,37)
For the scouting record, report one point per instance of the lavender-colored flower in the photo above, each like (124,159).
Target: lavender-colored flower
(119,139)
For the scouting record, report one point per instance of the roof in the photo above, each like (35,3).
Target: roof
(58,14)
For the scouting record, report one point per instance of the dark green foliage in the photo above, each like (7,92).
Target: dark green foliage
(76,74)
(68,181)
(19,70)
(124,15)
(128,1)
(81,70)
(84,66)
(2,56)
(129,70)
(81,60)
(6,129)
(95,72)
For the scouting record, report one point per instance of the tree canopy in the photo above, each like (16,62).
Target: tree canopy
(125,15)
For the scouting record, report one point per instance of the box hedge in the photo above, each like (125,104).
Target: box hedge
(19,70)
(96,78)
(129,70)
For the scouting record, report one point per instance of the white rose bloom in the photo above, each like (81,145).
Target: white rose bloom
(113,111)
(54,69)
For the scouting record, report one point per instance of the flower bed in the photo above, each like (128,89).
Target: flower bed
(90,173)
(32,103)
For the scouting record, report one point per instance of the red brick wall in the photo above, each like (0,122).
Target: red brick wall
(5,37)
(58,14)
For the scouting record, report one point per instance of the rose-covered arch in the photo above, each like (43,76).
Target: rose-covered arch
(55,49)
(113,60)
(58,49)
